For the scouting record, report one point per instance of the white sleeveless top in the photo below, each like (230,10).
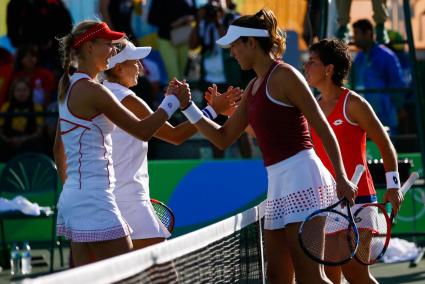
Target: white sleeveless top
(130,157)
(88,147)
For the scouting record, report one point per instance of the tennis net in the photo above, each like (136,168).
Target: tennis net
(229,251)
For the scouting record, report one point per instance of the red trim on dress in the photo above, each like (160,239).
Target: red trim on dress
(104,154)
(81,156)
(76,124)
(69,130)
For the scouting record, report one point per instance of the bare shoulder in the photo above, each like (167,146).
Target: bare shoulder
(355,101)
(357,107)
(285,73)
(89,87)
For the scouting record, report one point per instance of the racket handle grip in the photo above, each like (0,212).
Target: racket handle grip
(357,174)
(409,182)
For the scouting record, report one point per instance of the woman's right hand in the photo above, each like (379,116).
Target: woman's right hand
(181,90)
(345,188)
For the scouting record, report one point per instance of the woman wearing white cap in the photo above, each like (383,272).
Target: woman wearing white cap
(277,104)
(130,155)
(87,211)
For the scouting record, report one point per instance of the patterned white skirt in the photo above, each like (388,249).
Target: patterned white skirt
(90,215)
(141,217)
(296,187)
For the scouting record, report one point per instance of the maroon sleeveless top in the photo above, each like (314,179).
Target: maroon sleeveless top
(282,131)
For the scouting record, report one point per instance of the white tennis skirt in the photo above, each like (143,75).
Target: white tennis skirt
(296,187)
(142,219)
(90,216)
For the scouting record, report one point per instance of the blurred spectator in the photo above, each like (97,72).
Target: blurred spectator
(6,70)
(39,22)
(380,15)
(217,66)
(19,130)
(169,16)
(42,80)
(312,21)
(117,14)
(377,67)
(407,117)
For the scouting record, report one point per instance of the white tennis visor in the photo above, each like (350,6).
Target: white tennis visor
(235,32)
(130,52)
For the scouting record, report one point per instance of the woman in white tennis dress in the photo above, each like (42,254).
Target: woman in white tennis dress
(130,154)
(87,211)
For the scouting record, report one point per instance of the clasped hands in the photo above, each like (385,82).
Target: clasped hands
(224,104)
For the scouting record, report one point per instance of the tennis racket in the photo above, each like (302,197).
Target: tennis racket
(328,236)
(374,227)
(164,213)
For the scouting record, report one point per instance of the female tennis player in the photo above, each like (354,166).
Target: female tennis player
(88,112)
(352,119)
(277,104)
(130,154)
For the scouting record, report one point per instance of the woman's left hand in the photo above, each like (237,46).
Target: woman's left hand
(395,197)
(225,103)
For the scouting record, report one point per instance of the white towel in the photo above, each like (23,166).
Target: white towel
(400,250)
(19,203)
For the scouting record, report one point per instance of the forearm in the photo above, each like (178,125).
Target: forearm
(176,135)
(215,133)
(389,156)
(146,128)
(60,158)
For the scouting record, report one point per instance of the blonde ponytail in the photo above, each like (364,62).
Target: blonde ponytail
(69,53)
(65,48)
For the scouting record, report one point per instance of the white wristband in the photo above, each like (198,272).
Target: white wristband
(170,104)
(193,113)
(393,180)
(209,112)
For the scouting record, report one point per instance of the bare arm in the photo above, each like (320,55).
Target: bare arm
(167,132)
(223,136)
(59,155)
(93,98)
(360,112)
(294,91)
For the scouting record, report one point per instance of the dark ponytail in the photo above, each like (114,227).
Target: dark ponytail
(265,19)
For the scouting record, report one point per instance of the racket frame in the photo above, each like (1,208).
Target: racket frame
(352,224)
(358,172)
(170,228)
(404,189)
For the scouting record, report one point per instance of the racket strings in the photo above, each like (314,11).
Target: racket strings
(163,214)
(374,235)
(329,237)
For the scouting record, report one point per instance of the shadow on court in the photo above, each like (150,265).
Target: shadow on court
(399,273)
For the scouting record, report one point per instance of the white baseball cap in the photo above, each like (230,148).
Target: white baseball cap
(235,32)
(130,52)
